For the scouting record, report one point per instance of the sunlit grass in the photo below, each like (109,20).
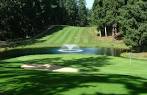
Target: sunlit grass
(99,75)
(82,36)
(141,55)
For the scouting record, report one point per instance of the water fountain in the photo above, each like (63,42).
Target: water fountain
(71,48)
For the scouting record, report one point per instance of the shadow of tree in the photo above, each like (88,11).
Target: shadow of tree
(88,64)
(34,39)
(23,51)
(44,83)
(16,81)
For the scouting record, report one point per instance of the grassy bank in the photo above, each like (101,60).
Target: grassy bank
(99,75)
(141,55)
(82,36)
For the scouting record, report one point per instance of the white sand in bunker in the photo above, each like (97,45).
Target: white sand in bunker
(48,67)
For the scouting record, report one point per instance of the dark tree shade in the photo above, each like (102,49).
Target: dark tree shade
(82,11)
(26,18)
(126,16)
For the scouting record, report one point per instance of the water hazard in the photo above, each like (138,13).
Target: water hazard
(96,51)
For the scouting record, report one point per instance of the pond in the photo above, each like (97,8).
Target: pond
(55,50)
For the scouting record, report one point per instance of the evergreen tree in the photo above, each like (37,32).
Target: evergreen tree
(21,18)
(126,16)
(135,24)
(105,14)
(71,10)
(82,11)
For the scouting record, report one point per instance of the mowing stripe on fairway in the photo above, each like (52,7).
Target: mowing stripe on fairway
(78,36)
(65,35)
(48,38)
(57,36)
(71,36)
(82,36)
(91,38)
(85,32)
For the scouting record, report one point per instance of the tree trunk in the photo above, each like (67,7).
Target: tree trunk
(106,31)
(100,33)
(113,33)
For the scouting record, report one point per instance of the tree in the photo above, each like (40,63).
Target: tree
(21,18)
(82,11)
(135,27)
(71,11)
(105,14)
(126,16)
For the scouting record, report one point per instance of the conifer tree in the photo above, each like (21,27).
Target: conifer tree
(82,11)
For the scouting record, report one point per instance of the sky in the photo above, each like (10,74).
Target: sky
(89,3)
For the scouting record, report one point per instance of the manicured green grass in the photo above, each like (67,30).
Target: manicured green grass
(141,55)
(82,36)
(99,75)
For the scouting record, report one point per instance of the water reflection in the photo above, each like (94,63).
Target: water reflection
(97,51)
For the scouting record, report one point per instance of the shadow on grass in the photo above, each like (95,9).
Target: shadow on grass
(44,83)
(16,81)
(88,64)
(34,39)
(24,51)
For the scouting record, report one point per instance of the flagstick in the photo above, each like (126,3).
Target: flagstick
(130,55)
(130,59)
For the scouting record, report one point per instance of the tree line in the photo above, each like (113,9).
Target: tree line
(125,17)
(26,18)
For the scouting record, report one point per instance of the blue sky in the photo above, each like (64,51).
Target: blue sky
(89,3)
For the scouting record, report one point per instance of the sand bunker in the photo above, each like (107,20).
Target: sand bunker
(48,67)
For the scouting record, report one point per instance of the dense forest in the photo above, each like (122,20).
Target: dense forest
(26,18)
(125,17)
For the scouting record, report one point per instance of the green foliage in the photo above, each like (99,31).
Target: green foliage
(82,11)
(23,19)
(71,11)
(129,15)
(135,27)
(105,13)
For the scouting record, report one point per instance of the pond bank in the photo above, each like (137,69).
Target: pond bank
(141,55)
(55,50)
